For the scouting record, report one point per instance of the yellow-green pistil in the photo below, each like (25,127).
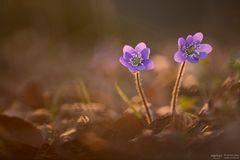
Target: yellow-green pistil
(190,50)
(136,61)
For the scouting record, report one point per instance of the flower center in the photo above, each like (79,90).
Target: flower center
(135,61)
(190,50)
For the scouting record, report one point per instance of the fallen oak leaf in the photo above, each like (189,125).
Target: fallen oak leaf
(127,127)
(17,130)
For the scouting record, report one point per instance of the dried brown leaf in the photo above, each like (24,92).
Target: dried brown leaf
(40,116)
(16,129)
(127,127)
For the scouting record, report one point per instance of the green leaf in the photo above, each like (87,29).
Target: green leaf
(83,92)
(187,103)
(127,101)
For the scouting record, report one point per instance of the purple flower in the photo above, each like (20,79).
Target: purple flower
(136,59)
(192,48)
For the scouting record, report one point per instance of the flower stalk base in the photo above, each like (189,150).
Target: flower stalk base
(176,88)
(142,95)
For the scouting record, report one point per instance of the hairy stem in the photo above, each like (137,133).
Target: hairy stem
(176,88)
(142,95)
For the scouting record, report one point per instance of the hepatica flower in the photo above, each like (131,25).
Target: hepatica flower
(192,49)
(136,59)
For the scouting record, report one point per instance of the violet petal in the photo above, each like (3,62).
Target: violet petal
(198,37)
(145,53)
(140,67)
(205,48)
(128,49)
(189,39)
(148,64)
(140,46)
(201,55)
(127,55)
(123,62)
(179,56)
(192,60)
(132,69)
(181,42)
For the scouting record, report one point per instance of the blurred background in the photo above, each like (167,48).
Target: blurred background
(48,47)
